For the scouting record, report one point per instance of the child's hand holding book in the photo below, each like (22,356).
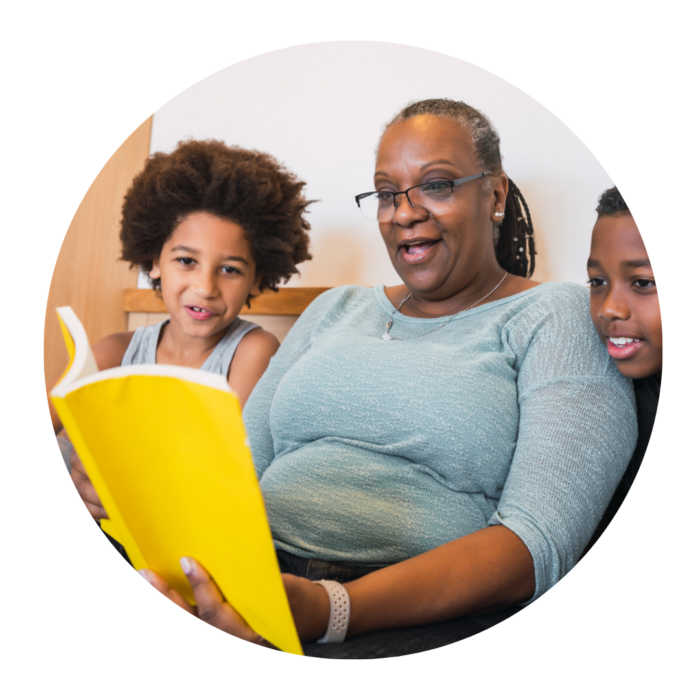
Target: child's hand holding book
(85,488)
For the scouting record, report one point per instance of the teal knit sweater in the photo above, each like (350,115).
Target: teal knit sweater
(371,451)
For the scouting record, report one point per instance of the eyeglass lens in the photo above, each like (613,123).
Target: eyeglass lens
(435,197)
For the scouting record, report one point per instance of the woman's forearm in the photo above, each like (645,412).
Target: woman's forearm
(487,570)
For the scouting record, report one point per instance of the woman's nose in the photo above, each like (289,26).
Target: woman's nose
(405,212)
(614,306)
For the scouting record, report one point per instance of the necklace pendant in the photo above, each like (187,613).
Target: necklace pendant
(387,336)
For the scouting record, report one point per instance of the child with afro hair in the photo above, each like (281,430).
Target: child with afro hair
(212,226)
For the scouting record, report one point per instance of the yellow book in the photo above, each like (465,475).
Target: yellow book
(166,450)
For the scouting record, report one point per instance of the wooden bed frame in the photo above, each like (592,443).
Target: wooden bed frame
(274,311)
(289,301)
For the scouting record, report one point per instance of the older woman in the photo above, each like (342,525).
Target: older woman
(445,448)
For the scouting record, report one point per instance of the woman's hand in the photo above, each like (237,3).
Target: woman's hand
(309,603)
(85,488)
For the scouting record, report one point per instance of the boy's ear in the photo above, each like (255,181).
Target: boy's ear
(154,272)
(255,289)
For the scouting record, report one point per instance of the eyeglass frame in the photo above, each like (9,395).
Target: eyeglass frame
(451,183)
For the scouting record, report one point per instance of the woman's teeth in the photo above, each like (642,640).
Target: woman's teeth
(621,342)
(419,247)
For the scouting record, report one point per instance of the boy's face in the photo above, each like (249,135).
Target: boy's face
(624,302)
(206,272)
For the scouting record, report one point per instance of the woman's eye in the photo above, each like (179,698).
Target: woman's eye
(436,187)
(594,282)
(385,196)
(644,284)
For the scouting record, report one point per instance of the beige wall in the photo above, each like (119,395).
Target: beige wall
(321,112)
(88,275)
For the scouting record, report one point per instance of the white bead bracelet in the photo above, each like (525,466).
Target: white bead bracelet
(340,612)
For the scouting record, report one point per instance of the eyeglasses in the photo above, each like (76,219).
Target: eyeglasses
(435,197)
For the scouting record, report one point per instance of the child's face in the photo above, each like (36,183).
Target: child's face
(206,272)
(624,302)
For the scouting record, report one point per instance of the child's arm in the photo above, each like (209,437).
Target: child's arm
(250,361)
(55,420)
(108,353)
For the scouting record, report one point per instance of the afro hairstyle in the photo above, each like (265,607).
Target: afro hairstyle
(249,188)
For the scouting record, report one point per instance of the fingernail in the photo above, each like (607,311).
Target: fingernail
(146,574)
(186,564)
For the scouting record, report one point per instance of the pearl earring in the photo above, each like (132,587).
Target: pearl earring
(499,214)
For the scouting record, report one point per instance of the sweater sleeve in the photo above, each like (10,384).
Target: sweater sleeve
(256,414)
(577,432)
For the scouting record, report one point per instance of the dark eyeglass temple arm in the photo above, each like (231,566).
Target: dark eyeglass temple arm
(461,181)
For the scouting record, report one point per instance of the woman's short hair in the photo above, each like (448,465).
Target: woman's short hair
(246,187)
(514,235)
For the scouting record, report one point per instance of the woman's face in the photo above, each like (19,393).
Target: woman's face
(437,255)
(624,302)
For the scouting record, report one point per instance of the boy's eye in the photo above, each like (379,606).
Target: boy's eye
(645,284)
(229,270)
(186,261)
(594,282)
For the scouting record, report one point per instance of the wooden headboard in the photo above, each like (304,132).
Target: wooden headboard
(289,301)
(274,311)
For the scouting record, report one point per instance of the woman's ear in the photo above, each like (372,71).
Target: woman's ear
(500,193)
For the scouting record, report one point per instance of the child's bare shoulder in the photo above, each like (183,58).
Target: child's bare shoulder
(250,361)
(253,353)
(257,343)
(109,352)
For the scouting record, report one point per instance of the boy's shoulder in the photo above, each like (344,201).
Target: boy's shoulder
(109,352)
(258,341)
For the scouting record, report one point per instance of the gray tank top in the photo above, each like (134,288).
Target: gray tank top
(142,348)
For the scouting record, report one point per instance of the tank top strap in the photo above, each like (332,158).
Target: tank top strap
(143,345)
(220,360)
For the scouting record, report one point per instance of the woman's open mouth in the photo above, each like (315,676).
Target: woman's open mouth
(417,251)
(622,348)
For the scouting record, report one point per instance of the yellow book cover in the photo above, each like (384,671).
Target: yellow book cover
(166,449)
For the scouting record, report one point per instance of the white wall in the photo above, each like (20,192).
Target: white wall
(320,109)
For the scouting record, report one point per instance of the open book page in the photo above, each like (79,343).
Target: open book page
(81,362)
(166,450)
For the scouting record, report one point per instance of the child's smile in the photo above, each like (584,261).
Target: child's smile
(199,312)
(623,348)
(624,301)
